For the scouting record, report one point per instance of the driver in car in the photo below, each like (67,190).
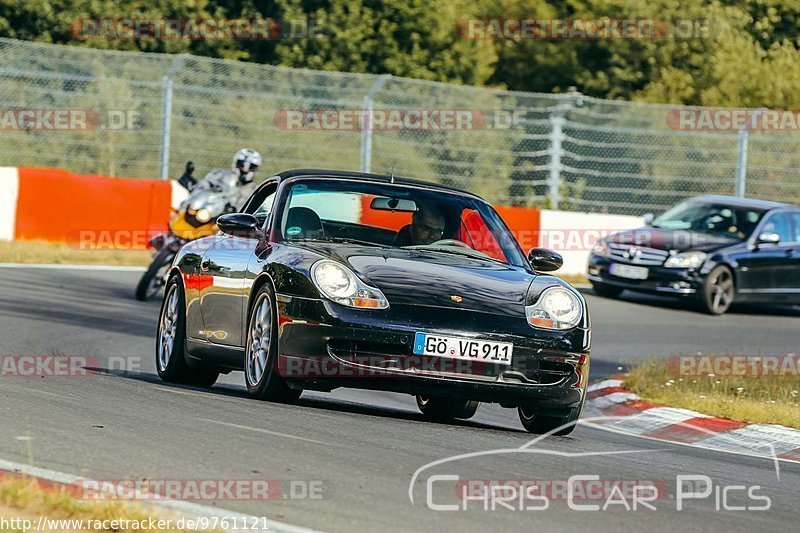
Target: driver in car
(427,227)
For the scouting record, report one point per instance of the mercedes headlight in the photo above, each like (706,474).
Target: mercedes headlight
(556,308)
(600,248)
(203,215)
(685,260)
(339,284)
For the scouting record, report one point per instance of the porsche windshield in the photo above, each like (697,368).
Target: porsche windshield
(400,216)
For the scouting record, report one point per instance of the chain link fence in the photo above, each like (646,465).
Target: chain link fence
(150,113)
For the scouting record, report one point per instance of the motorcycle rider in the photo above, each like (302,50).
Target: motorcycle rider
(244,166)
(219,192)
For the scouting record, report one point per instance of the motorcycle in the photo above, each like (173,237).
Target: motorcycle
(196,217)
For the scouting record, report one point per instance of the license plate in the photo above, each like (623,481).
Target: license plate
(628,271)
(467,349)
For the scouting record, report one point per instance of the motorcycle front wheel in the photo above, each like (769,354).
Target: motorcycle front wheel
(155,276)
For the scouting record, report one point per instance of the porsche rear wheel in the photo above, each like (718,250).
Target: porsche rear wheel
(535,423)
(261,352)
(446,408)
(171,363)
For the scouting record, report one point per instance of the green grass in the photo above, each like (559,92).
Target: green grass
(759,400)
(56,253)
(25,498)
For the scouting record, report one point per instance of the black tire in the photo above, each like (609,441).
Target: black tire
(539,424)
(267,385)
(718,291)
(446,408)
(151,281)
(606,291)
(173,367)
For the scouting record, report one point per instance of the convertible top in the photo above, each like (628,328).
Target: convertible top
(382,178)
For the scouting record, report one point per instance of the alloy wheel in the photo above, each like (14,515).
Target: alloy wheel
(168,328)
(721,291)
(259,339)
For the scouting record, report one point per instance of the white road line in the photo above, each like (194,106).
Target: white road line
(268,432)
(187,509)
(49,266)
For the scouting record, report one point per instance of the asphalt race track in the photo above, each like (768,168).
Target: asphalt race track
(361,448)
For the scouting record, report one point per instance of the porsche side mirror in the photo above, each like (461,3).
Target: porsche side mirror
(648,218)
(769,237)
(239,224)
(544,260)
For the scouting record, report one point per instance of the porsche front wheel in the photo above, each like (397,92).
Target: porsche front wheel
(446,408)
(560,424)
(261,351)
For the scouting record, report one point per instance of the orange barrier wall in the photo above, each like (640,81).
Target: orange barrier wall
(59,206)
(524,223)
(95,211)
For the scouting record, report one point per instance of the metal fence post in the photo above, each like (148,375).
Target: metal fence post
(554,181)
(166,114)
(741,163)
(558,118)
(366,131)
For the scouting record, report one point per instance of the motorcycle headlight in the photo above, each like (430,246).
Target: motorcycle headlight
(685,260)
(203,215)
(339,284)
(556,308)
(600,248)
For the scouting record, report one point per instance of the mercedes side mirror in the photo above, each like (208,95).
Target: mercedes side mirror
(544,260)
(769,237)
(240,225)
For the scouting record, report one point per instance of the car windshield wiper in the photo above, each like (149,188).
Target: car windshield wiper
(455,251)
(341,240)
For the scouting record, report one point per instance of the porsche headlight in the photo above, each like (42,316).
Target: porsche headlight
(685,260)
(339,284)
(202,215)
(556,308)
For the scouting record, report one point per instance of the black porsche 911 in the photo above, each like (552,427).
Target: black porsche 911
(712,249)
(333,279)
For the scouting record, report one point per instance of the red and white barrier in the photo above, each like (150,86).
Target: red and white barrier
(59,206)
(9,190)
(612,407)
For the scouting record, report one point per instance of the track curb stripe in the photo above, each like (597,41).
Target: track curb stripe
(635,416)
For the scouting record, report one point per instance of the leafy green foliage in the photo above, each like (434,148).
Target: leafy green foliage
(743,52)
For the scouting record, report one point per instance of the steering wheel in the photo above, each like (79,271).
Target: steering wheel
(451,242)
